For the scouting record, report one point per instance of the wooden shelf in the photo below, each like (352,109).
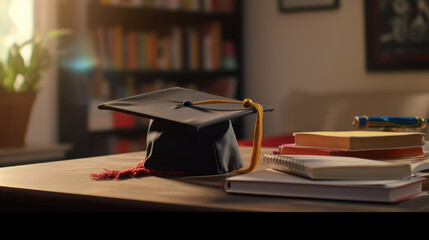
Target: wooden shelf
(133,17)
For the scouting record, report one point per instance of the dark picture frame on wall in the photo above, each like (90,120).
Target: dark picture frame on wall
(397,35)
(307,5)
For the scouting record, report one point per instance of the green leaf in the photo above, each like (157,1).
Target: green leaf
(15,59)
(30,75)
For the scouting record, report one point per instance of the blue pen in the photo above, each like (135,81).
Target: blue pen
(364,122)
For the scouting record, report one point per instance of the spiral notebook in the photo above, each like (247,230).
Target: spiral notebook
(330,167)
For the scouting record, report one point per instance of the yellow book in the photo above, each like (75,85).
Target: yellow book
(359,140)
(105,2)
(118,47)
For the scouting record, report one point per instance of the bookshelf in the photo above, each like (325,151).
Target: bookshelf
(128,47)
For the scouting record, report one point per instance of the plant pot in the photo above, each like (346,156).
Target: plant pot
(15,112)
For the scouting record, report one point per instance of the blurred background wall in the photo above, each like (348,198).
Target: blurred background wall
(320,52)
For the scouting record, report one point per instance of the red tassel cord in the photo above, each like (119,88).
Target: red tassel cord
(137,171)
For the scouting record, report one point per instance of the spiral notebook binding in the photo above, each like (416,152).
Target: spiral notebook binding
(285,164)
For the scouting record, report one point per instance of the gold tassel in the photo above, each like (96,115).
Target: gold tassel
(257,138)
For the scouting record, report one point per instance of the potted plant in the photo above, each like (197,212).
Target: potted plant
(19,84)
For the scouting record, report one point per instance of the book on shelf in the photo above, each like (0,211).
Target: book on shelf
(218,5)
(100,48)
(176,5)
(359,140)
(123,121)
(292,149)
(119,49)
(177,48)
(149,46)
(131,51)
(196,47)
(270,182)
(192,49)
(334,167)
(211,34)
(192,5)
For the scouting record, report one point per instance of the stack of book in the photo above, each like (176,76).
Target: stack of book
(362,144)
(351,165)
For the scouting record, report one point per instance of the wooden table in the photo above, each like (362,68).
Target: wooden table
(66,186)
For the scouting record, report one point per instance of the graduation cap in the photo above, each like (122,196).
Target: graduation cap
(189,131)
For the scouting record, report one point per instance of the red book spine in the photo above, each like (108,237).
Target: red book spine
(122,120)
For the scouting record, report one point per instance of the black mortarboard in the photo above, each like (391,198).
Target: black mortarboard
(185,137)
